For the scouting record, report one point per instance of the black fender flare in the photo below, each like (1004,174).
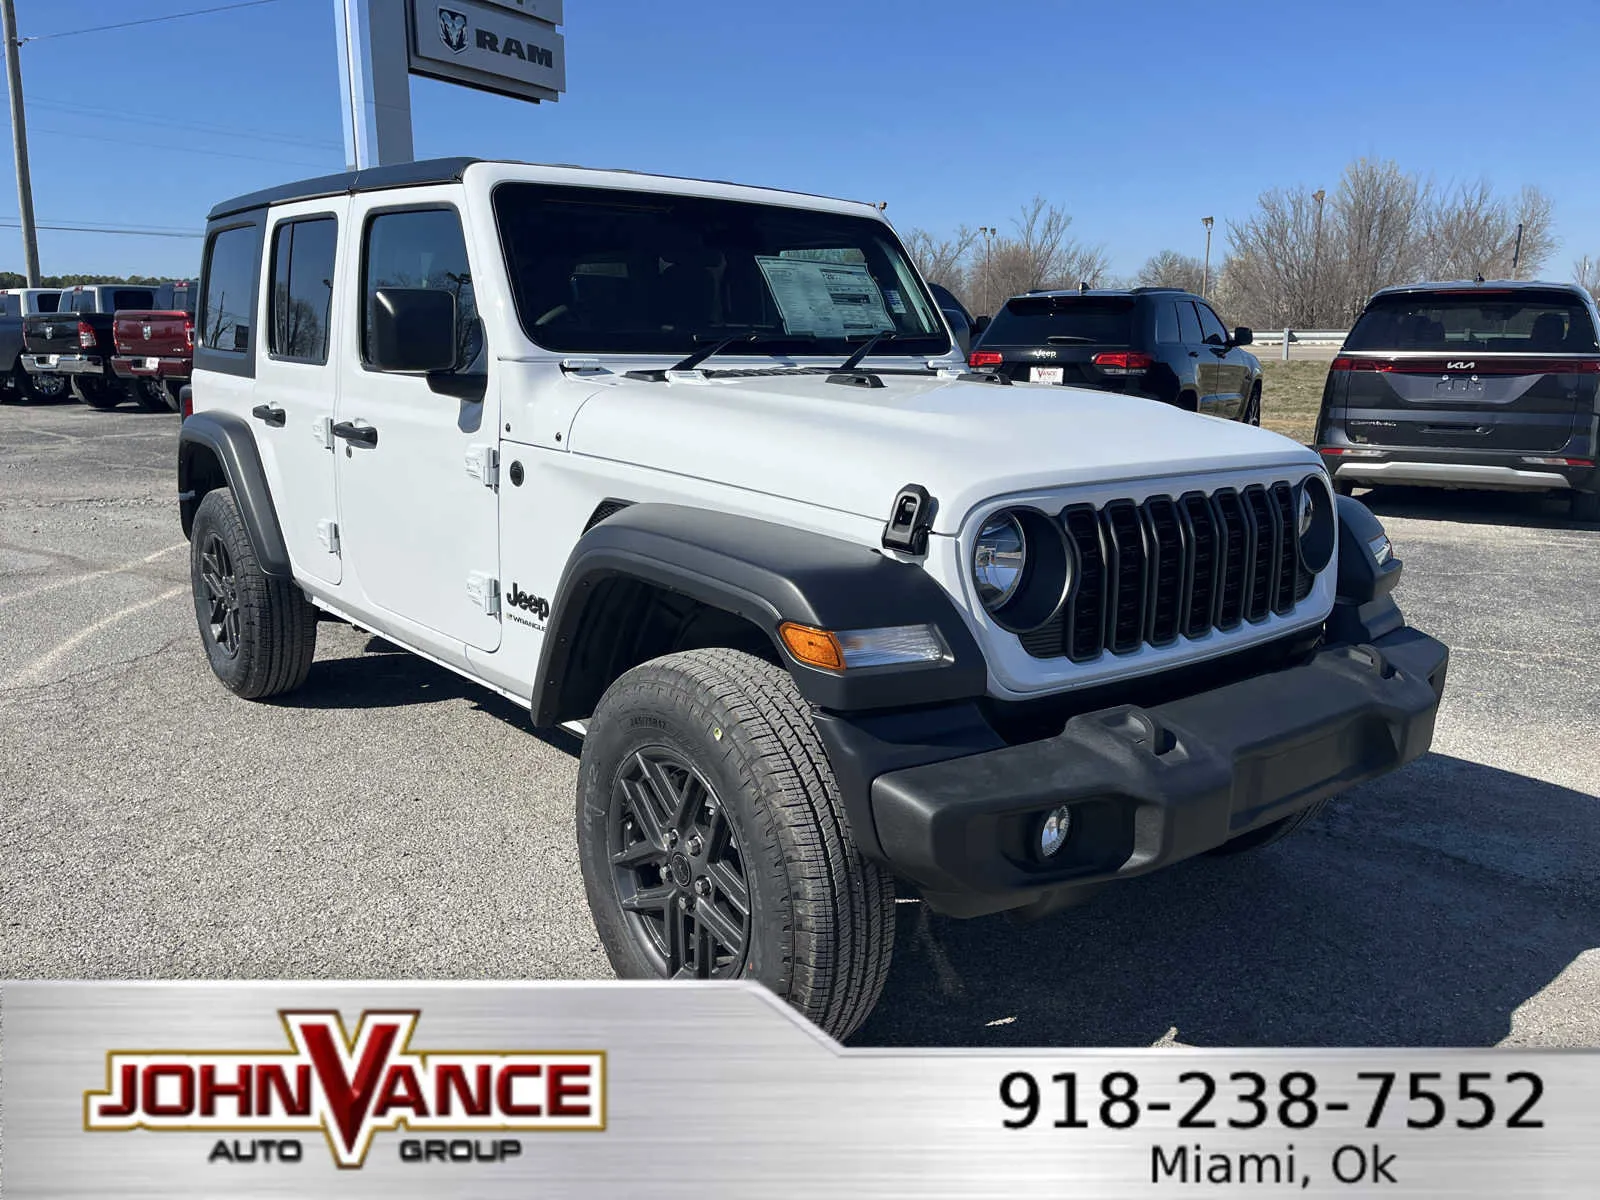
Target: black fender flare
(232,444)
(767,574)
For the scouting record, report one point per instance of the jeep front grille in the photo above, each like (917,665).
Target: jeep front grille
(1148,573)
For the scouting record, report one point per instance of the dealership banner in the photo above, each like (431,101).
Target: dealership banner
(698,1091)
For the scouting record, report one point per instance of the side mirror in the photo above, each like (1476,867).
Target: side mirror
(414,330)
(979,324)
(1243,336)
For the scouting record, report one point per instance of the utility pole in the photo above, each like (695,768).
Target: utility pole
(19,142)
(1205,274)
(988,232)
(1316,253)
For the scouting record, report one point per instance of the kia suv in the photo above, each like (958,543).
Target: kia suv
(1468,385)
(1158,343)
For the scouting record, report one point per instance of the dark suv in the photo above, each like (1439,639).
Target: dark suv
(1159,343)
(1469,385)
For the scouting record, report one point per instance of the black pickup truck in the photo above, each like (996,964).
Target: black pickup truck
(15,382)
(76,342)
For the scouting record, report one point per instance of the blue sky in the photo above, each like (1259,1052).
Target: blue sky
(1139,117)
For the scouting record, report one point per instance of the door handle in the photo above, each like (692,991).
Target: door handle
(366,435)
(269,414)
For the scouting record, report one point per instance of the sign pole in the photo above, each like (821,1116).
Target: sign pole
(374,79)
(19,143)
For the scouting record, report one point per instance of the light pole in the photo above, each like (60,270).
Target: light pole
(1316,253)
(988,232)
(19,143)
(1205,274)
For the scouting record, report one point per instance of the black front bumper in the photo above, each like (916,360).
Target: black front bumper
(1149,786)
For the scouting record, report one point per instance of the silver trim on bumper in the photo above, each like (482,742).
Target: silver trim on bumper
(1457,474)
(65,364)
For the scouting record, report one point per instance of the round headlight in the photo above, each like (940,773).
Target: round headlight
(1315,524)
(998,557)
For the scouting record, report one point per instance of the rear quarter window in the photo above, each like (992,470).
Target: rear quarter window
(228,305)
(1085,320)
(1507,322)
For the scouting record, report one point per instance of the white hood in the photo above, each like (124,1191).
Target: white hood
(852,449)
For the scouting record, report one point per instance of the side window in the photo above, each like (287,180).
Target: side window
(1211,325)
(229,290)
(302,288)
(10,306)
(421,249)
(82,302)
(1188,323)
(1166,322)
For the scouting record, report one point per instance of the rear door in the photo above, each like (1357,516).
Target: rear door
(297,377)
(1512,369)
(1054,339)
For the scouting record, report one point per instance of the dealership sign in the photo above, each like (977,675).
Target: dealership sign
(349,1088)
(505,46)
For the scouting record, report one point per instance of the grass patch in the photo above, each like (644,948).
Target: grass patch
(1291,393)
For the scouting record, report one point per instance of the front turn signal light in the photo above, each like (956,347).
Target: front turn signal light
(814,647)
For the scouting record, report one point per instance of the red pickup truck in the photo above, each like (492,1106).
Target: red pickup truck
(155,347)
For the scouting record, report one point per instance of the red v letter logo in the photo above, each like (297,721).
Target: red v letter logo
(350,1093)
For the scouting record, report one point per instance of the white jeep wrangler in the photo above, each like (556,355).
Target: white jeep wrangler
(695,468)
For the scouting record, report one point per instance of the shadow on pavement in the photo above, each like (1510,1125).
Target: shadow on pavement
(1532,509)
(1418,910)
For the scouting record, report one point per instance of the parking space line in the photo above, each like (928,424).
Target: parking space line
(34,672)
(61,583)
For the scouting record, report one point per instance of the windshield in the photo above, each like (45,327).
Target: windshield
(1035,320)
(1517,322)
(597,270)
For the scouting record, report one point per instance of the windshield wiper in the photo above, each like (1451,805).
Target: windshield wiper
(883,335)
(717,347)
(1063,339)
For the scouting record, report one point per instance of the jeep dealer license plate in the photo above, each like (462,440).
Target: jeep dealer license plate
(1044,374)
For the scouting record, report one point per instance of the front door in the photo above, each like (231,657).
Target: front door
(306,291)
(1227,365)
(418,505)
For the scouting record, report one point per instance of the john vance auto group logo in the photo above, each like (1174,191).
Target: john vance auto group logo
(349,1088)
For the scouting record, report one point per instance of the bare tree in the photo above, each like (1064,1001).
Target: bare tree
(1586,274)
(1374,238)
(943,260)
(1169,268)
(1273,257)
(1471,232)
(1041,255)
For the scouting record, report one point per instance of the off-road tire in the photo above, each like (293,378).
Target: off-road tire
(150,396)
(274,627)
(97,393)
(1585,507)
(820,930)
(1266,835)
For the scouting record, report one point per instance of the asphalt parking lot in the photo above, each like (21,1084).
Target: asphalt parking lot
(391,820)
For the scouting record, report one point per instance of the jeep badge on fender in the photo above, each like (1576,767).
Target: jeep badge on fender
(718,395)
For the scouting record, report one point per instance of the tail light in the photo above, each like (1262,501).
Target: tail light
(85,335)
(188,334)
(1123,362)
(1559,462)
(985,358)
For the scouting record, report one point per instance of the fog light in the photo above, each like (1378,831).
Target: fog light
(1053,833)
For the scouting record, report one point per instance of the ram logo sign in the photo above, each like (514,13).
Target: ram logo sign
(495,45)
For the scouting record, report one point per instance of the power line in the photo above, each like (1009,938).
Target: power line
(116,232)
(119,141)
(199,12)
(232,131)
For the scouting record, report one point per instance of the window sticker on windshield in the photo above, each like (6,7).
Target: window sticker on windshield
(896,304)
(831,300)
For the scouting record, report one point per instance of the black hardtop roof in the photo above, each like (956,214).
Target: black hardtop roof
(369,179)
(1066,293)
(419,174)
(1487,285)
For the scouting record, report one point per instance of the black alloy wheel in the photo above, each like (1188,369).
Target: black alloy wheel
(677,867)
(222,593)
